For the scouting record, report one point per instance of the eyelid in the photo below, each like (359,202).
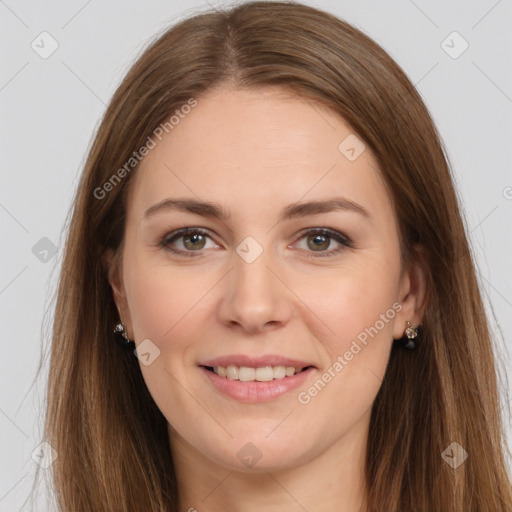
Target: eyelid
(185,231)
(166,240)
(344,241)
(326,231)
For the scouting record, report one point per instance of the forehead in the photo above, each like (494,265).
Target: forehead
(258,147)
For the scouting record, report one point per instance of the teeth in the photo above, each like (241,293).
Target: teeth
(246,374)
(289,371)
(232,372)
(280,372)
(263,374)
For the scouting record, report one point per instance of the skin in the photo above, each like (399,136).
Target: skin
(255,152)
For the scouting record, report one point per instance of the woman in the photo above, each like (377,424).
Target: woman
(268,217)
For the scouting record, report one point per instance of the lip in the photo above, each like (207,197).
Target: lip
(255,362)
(254,391)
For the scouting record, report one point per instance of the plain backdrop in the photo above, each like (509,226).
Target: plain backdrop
(51,105)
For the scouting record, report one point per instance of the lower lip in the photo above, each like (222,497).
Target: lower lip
(254,391)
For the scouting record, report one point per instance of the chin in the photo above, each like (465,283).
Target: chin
(256,455)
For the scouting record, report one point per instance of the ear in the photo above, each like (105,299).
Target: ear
(414,291)
(113,264)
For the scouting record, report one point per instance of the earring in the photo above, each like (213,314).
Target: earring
(411,334)
(122,337)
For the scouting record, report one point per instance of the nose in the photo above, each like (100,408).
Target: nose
(255,296)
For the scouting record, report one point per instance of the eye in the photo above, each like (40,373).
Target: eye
(187,240)
(318,240)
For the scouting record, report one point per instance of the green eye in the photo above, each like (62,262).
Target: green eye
(318,240)
(194,242)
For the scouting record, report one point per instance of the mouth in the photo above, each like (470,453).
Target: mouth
(254,380)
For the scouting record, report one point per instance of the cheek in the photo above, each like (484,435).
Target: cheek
(163,308)
(357,310)
(352,301)
(161,302)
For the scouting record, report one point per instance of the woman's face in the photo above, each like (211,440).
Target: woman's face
(290,262)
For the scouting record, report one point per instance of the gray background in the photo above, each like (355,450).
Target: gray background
(51,106)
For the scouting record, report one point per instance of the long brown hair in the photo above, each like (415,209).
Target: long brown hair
(112,440)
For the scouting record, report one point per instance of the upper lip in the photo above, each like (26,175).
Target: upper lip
(255,362)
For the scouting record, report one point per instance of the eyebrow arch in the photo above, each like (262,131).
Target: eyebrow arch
(316,207)
(213,210)
(203,208)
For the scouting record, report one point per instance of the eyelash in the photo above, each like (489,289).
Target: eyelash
(337,236)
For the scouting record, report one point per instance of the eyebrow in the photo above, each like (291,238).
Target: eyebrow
(215,211)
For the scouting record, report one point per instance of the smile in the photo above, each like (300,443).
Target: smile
(256,379)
